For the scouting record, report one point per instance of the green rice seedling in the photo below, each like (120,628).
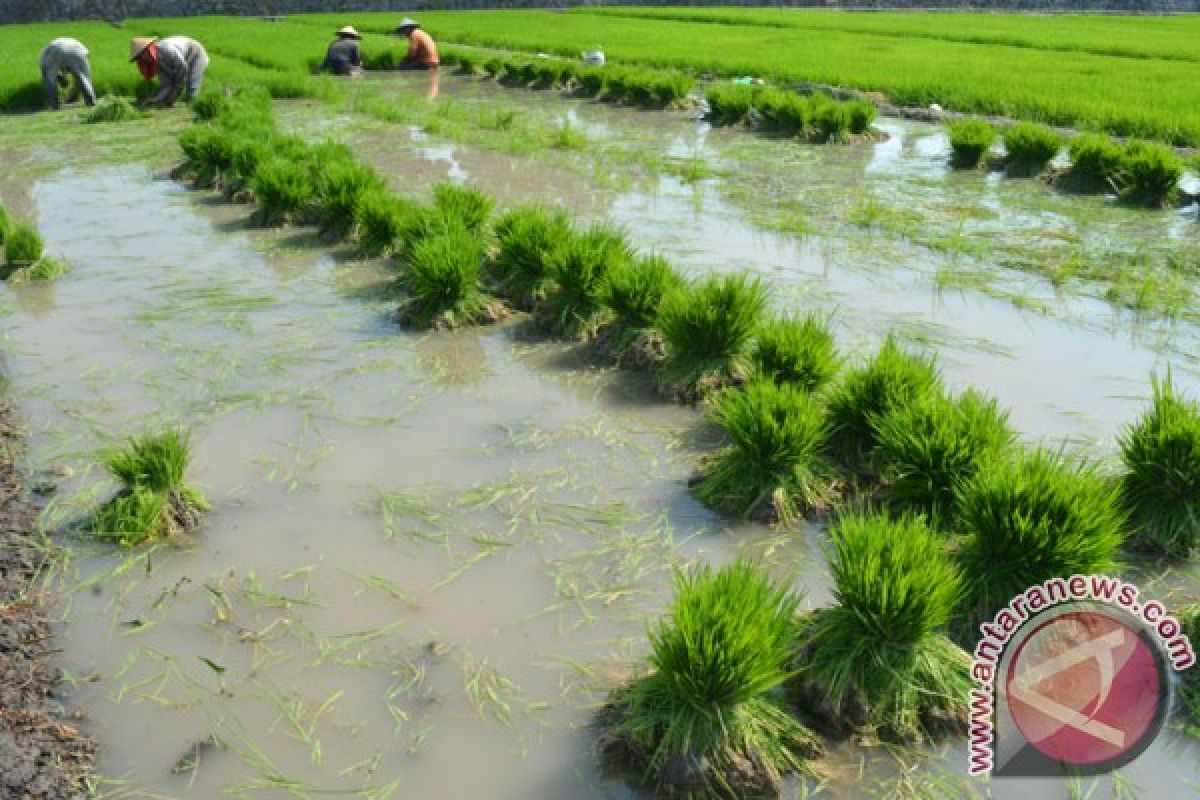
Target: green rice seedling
(154,461)
(579,266)
(46,269)
(464,205)
(6,223)
(339,186)
(785,112)
(1030,147)
(1095,163)
(443,280)
(248,153)
(830,119)
(590,80)
(862,115)
(1189,690)
(567,138)
(708,329)
(1149,175)
(776,467)
(706,721)
(930,445)
(729,103)
(525,237)
(970,140)
(112,109)
(494,66)
(1160,486)
(634,292)
(210,104)
(132,518)
(22,245)
(208,154)
(662,88)
(880,658)
(1030,519)
(891,380)
(549,73)
(380,219)
(798,351)
(284,191)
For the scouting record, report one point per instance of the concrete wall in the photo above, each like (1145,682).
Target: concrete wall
(47,10)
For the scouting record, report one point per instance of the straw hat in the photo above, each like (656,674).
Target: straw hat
(406,24)
(349,31)
(138,45)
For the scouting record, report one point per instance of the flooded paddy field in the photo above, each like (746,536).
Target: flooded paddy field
(431,555)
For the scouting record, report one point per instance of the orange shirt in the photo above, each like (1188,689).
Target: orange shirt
(422,49)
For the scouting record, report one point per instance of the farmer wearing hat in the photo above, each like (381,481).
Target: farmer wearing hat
(342,57)
(62,60)
(177,61)
(422,52)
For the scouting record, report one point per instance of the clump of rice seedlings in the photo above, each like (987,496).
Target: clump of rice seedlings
(208,154)
(706,720)
(729,103)
(1149,174)
(23,246)
(567,138)
(930,445)
(862,115)
(210,104)
(785,112)
(708,329)
(5,223)
(590,80)
(525,237)
(798,351)
(1031,519)
(112,109)
(46,269)
(776,467)
(1160,486)
(284,191)
(1030,147)
(970,140)
(633,293)
(579,267)
(892,379)
(549,73)
(464,205)
(1189,689)
(380,218)
(443,280)
(339,186)
(880,658)
(154,500)
(1095,163)
(661,88)
(830,120)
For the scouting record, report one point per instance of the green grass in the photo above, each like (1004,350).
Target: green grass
(113,109)
(22,245)
(892,379)
(970,140)
(776,467)
(929,446)
(443,280)
(1032,518)
(1029,147)
(1160,485)
(579,267)
(799,351)
(525,237)
(709,697)
(880,658)
(708,329)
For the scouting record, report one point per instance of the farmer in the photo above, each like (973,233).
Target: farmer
(177,61)
(62,60)
(342,57)
(422,52)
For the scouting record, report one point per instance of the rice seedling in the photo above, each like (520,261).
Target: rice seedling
(1095,163)
(6,224)
(132,518)
(339,186)
(706,721)
(830,120)
(1030,147)
(46,269)
(776,467)
(112,109)
(22,245)
(567,138)
(708,329)
(786,112)
(930,445)
(880,659)
(210,104)
(463,205)
(579,266)
(1189,689)
(798,351)
(208,154)
(284,191)
(380,218)
(862,115)
(1160,486)
(729,103)
(892,379)
(590,80)
(633,292)
(1035,517)
(1149,175)
(970,140)
(525,237)
(443,280)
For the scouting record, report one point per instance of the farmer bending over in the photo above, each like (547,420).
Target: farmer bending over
(61,60)
(342,57)
(177,61)
(422,52)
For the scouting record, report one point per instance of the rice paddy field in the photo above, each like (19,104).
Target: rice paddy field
(441,435)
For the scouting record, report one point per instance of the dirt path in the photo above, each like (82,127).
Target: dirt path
(41,754)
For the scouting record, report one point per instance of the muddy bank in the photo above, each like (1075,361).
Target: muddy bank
(41,754)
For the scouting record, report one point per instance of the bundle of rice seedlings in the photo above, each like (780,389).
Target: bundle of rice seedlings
(112,109)
(380,218)
(662,88)
(284,191)
(5,223)
(1030,147)
(892,379)
(443,281)
(633,293)
(830,119)
(785,112)
(590,80)
(798,351)
(248,153)
(929,446)
(729,104)
(708,328)
(776,467)
(1031,519)
(1189,690)
(880,658)
(706,721)
(970,140)
(1149,175)
(1095,163)
(210,104)
(1160,487)
(579,267)
(549,73)
(154,500)
(862,115)
(46,269)
(23,246)
(465,206)
(339,186)
(525,237)
(208,154)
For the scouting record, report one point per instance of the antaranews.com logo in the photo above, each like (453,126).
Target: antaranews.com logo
(1073,673)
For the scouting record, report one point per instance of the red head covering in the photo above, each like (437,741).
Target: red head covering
(148,61)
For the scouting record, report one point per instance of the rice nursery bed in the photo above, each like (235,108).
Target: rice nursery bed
(325,532)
